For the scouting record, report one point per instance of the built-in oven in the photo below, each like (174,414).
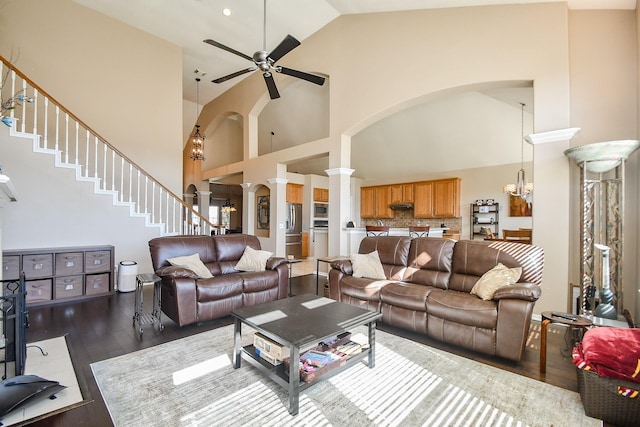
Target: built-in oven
(321,210)
(320,223)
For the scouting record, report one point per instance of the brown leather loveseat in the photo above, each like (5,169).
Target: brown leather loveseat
(428,284)
(188,299)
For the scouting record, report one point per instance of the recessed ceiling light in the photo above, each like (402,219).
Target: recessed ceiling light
(226,11)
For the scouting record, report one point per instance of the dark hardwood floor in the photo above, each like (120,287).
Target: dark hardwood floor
(102,328)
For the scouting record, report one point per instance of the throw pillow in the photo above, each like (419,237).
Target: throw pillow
(193,263)
(253,260)
(367,265)
(494,279)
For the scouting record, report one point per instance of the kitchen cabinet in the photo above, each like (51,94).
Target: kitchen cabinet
(320,195)
(56,274)
(402,193)
(375,201)
(305,245)
(437,199)
(294,193)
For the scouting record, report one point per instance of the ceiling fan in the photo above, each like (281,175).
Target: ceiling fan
(266,62)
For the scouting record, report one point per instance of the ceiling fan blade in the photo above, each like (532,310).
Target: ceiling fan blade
(271,85)
(227,48)
(286,45)
(232,75)
(301,75)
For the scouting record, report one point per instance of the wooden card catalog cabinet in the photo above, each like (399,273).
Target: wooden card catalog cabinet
(57,274)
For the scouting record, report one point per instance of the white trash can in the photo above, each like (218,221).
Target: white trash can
(127,272)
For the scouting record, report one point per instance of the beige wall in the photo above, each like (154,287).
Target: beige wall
(583,65)
(604,104)
(381,63)
(123,83)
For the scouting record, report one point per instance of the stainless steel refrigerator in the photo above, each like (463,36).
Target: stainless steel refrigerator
(294,230)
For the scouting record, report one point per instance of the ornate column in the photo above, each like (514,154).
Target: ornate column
(340,202)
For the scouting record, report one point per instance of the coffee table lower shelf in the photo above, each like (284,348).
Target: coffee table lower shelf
(279,374)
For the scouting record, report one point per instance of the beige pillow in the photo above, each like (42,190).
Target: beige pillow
(492,280)
(253,260)
(193,263)
(367,265)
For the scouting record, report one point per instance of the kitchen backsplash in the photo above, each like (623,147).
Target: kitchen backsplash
(404,219)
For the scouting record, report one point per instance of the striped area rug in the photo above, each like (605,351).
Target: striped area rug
(190,382)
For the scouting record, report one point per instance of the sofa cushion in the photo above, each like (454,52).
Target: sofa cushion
(163,248)
(406,295)
(193,263)
(367,265)
(393,252)
(230,248)
(253,260)
(463,308)
(259,281)
(218,287)
(361,288)
(494,279)
(430,260)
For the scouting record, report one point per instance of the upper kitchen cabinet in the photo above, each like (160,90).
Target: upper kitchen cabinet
(437,199)
(294,193)
(320,195)
(375,201)
(402,193)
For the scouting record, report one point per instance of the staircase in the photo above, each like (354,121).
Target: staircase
(56,131)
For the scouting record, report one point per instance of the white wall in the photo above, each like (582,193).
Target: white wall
(123,83)
(55,210)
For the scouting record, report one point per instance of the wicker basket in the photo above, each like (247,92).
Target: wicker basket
(601,400)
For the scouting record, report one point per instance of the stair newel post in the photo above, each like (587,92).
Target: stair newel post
(57,136)
(66,138)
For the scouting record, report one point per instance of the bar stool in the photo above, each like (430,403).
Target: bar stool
(418,231)
(377,230)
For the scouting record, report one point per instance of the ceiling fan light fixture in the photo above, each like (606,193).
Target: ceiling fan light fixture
(265,61)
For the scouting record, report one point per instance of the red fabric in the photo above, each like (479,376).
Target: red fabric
(611,352)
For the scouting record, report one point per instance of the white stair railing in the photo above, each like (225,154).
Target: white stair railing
(78,146)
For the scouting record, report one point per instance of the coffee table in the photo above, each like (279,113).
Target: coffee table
(299,323)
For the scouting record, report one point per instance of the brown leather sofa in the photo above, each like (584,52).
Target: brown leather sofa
(428,290)
(188,299)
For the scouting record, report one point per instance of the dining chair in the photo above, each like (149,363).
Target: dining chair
(377,230)
(419,231)
(521,236)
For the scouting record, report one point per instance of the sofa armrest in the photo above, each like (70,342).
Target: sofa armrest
(344,265)
(523,291)
(176,272)
(274,262)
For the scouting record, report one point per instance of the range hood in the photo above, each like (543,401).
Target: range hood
(401,206)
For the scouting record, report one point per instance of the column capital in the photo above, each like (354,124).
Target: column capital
(552,136)
(339,171)
(277,180)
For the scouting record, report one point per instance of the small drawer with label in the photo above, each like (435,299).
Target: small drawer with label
(10,267)
(68,263)
(66,287)
(96,284)
(97,261)
(38,290)
(37,265)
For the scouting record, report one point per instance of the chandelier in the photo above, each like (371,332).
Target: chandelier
(521,188)
(228,207)
(197,139)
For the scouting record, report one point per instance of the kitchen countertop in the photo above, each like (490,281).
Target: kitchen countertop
(394,230)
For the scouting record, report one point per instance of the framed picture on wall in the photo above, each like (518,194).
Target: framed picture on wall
(263,212)
(519,207)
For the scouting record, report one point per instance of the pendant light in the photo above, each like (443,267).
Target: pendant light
(197,139)
(521,188)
